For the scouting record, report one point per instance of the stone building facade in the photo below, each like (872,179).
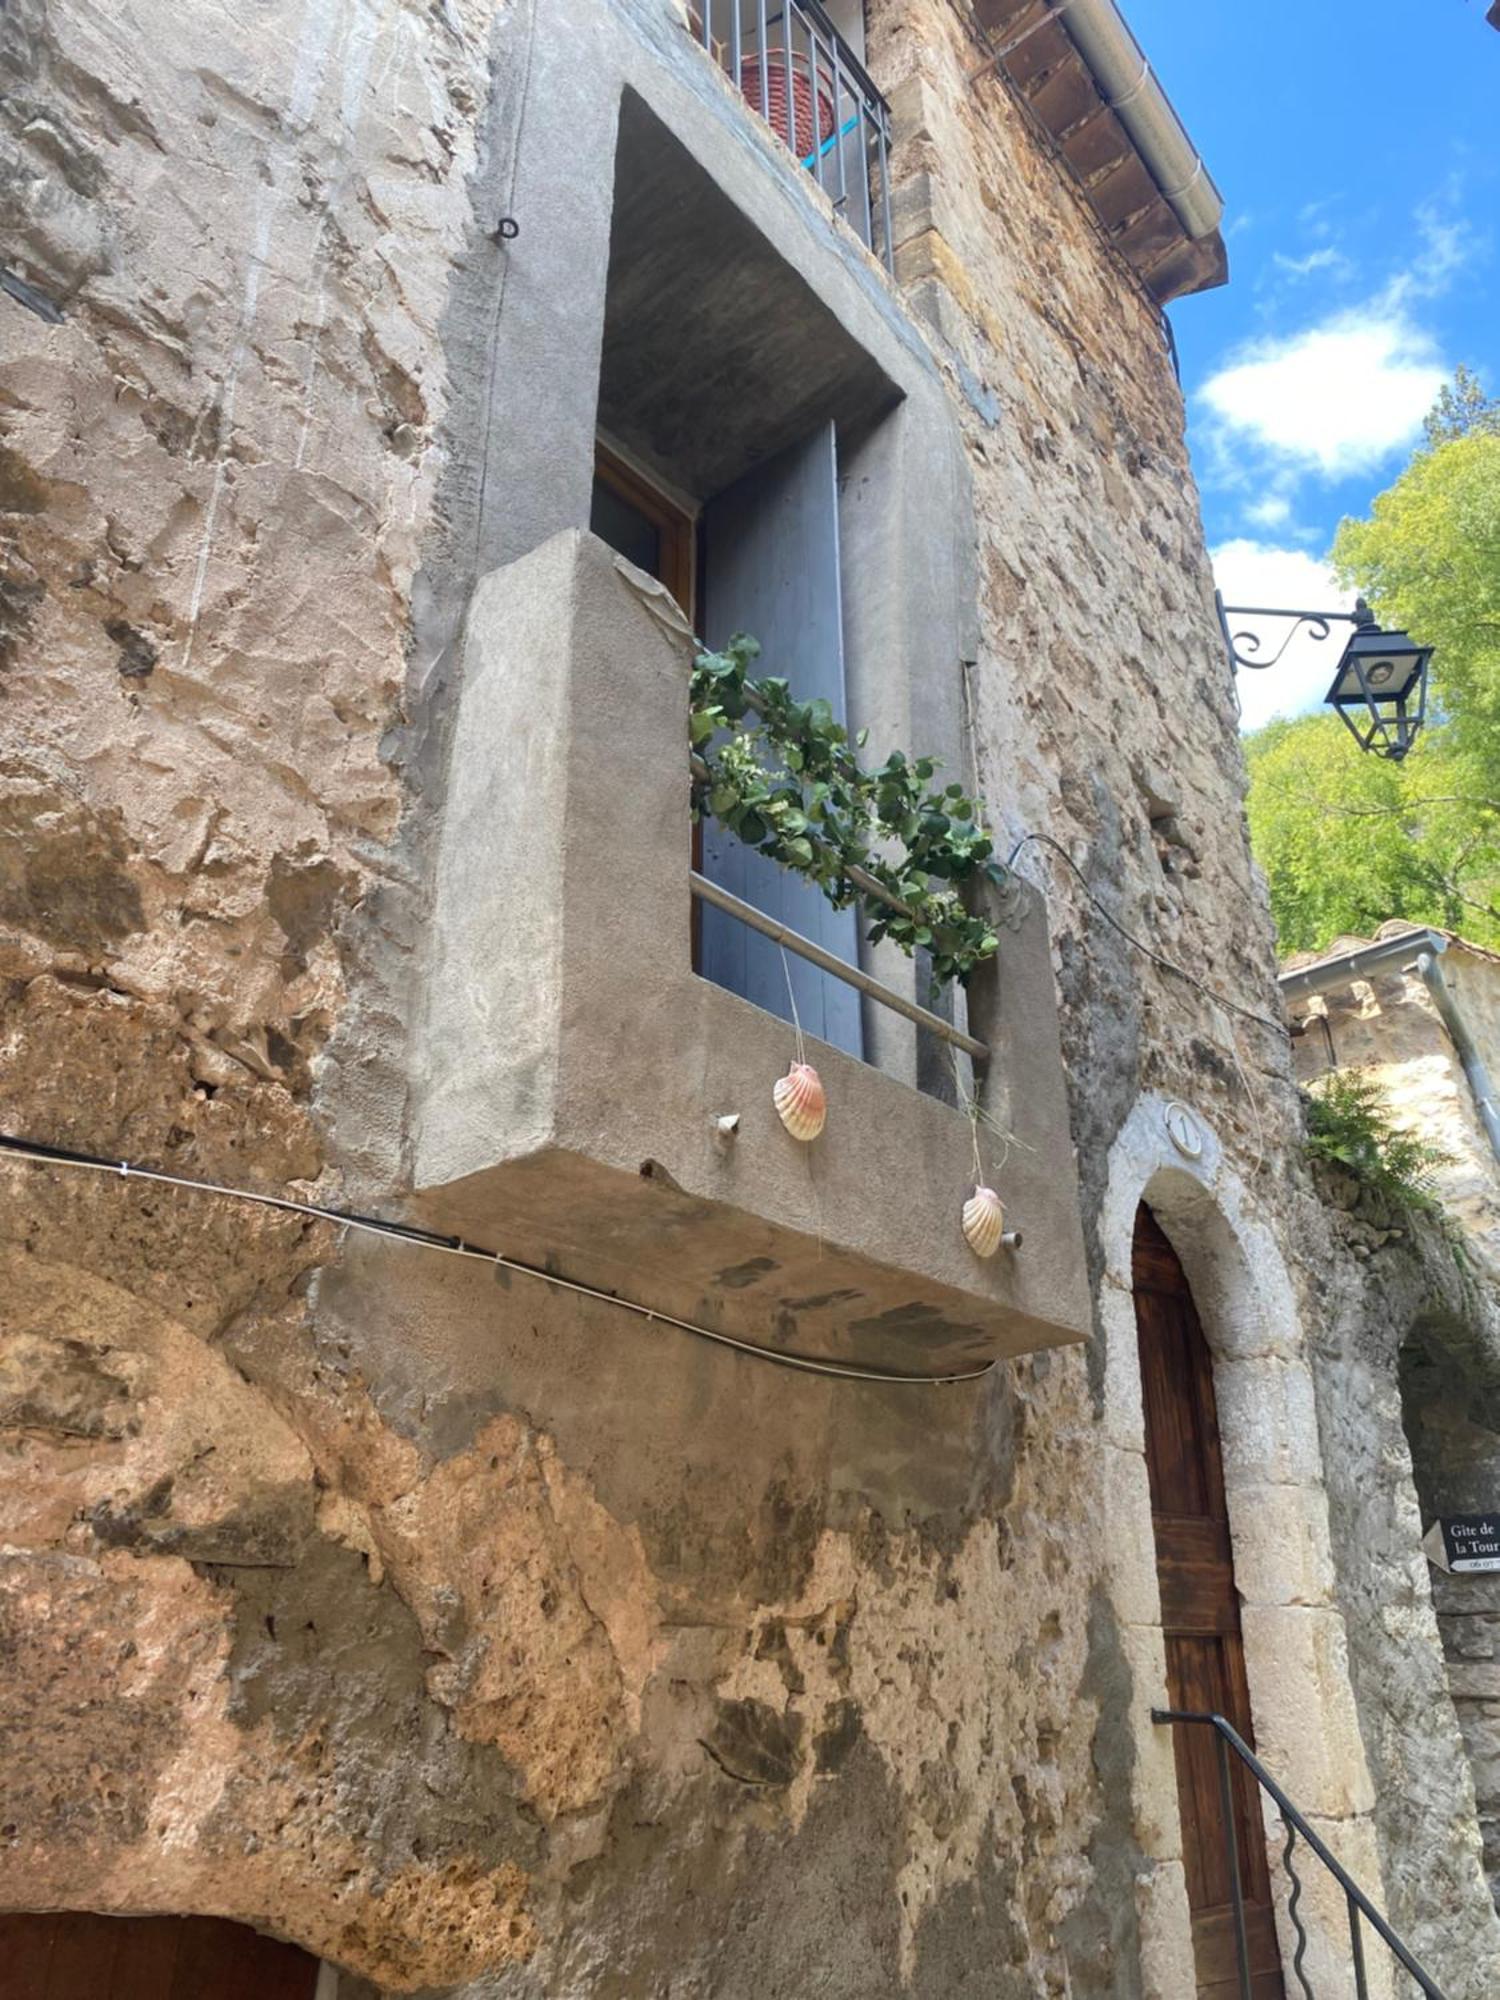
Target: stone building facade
(469,1632)
(1419,1013)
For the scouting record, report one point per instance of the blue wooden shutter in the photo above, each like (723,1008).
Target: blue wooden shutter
(771,567)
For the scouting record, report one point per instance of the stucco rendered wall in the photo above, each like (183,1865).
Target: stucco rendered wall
(459,1630)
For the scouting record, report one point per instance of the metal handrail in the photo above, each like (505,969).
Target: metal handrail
(1356,1901)
(887,996)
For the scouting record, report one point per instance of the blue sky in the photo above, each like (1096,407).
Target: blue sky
(1357,146)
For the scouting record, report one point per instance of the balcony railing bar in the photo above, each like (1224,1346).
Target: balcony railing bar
(817,56)
(841,200)
(835,88)
(857,71)
(874,989)
(791,96)
(883,154)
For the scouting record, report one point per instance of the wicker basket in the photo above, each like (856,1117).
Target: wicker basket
(802,99)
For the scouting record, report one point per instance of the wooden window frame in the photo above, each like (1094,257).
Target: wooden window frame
(672,522)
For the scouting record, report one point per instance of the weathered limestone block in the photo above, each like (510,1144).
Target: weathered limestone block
(1132,1545)
(122,1430)
(537,1607)
(143,1767)
(1281,1552)
(1269,1422)
(1320,1747)
(1324,1910)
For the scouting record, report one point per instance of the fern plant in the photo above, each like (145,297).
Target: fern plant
(1349,1126)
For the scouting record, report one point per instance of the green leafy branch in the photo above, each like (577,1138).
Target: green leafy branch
(781,776)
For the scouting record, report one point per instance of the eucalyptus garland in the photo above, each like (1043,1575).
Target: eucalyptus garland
(782,776)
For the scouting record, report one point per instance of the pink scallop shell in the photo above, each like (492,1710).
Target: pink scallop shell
(984,1221)
(800,1102)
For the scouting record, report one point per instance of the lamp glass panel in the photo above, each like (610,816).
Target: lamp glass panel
(1392,665)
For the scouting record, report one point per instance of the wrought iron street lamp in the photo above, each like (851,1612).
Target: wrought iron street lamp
(1380,688)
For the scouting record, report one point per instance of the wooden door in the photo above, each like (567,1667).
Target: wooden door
(771,568)
(1201,1619)
(73,1955)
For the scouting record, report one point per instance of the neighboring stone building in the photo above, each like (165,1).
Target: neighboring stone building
(468,1631)
(1418,1011)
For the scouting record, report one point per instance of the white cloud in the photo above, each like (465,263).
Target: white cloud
(1448,243)
(1327,259)
(1260,573)
(1344,396)
(1274,511)
(1335,399)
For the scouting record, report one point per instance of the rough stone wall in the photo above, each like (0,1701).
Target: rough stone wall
(1431,1342)
(1406,1338)
(1106,715)
(1452,1416)
(444,1625)
(222,387)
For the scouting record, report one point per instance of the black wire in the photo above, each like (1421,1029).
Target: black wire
(64,1156)
(39,1152)
(1166,964)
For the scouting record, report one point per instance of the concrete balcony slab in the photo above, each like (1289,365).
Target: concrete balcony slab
(574,1068)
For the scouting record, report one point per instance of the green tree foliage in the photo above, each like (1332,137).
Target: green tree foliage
(1462,408)
(1348,840)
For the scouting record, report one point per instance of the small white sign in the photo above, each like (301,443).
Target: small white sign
(1463,1544)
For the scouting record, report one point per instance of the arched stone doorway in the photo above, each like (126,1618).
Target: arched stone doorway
(1296,1660)
(76,1955)
(1200,1610)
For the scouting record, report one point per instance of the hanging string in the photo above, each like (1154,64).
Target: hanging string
(812,1179)
(792,1001)
(976,1114)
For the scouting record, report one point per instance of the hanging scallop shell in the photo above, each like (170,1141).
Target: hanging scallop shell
(800,1103)
(984,1221)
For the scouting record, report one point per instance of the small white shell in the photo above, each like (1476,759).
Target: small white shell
(800,1103)
(984,1221)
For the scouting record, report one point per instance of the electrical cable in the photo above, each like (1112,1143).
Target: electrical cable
(41,1154)
(1156,958)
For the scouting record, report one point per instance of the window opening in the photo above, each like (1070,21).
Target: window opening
(644,523)
(725,379)
(771,567)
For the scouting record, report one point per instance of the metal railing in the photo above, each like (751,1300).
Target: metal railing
(886,996)
(789,63)
(1358,1905)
